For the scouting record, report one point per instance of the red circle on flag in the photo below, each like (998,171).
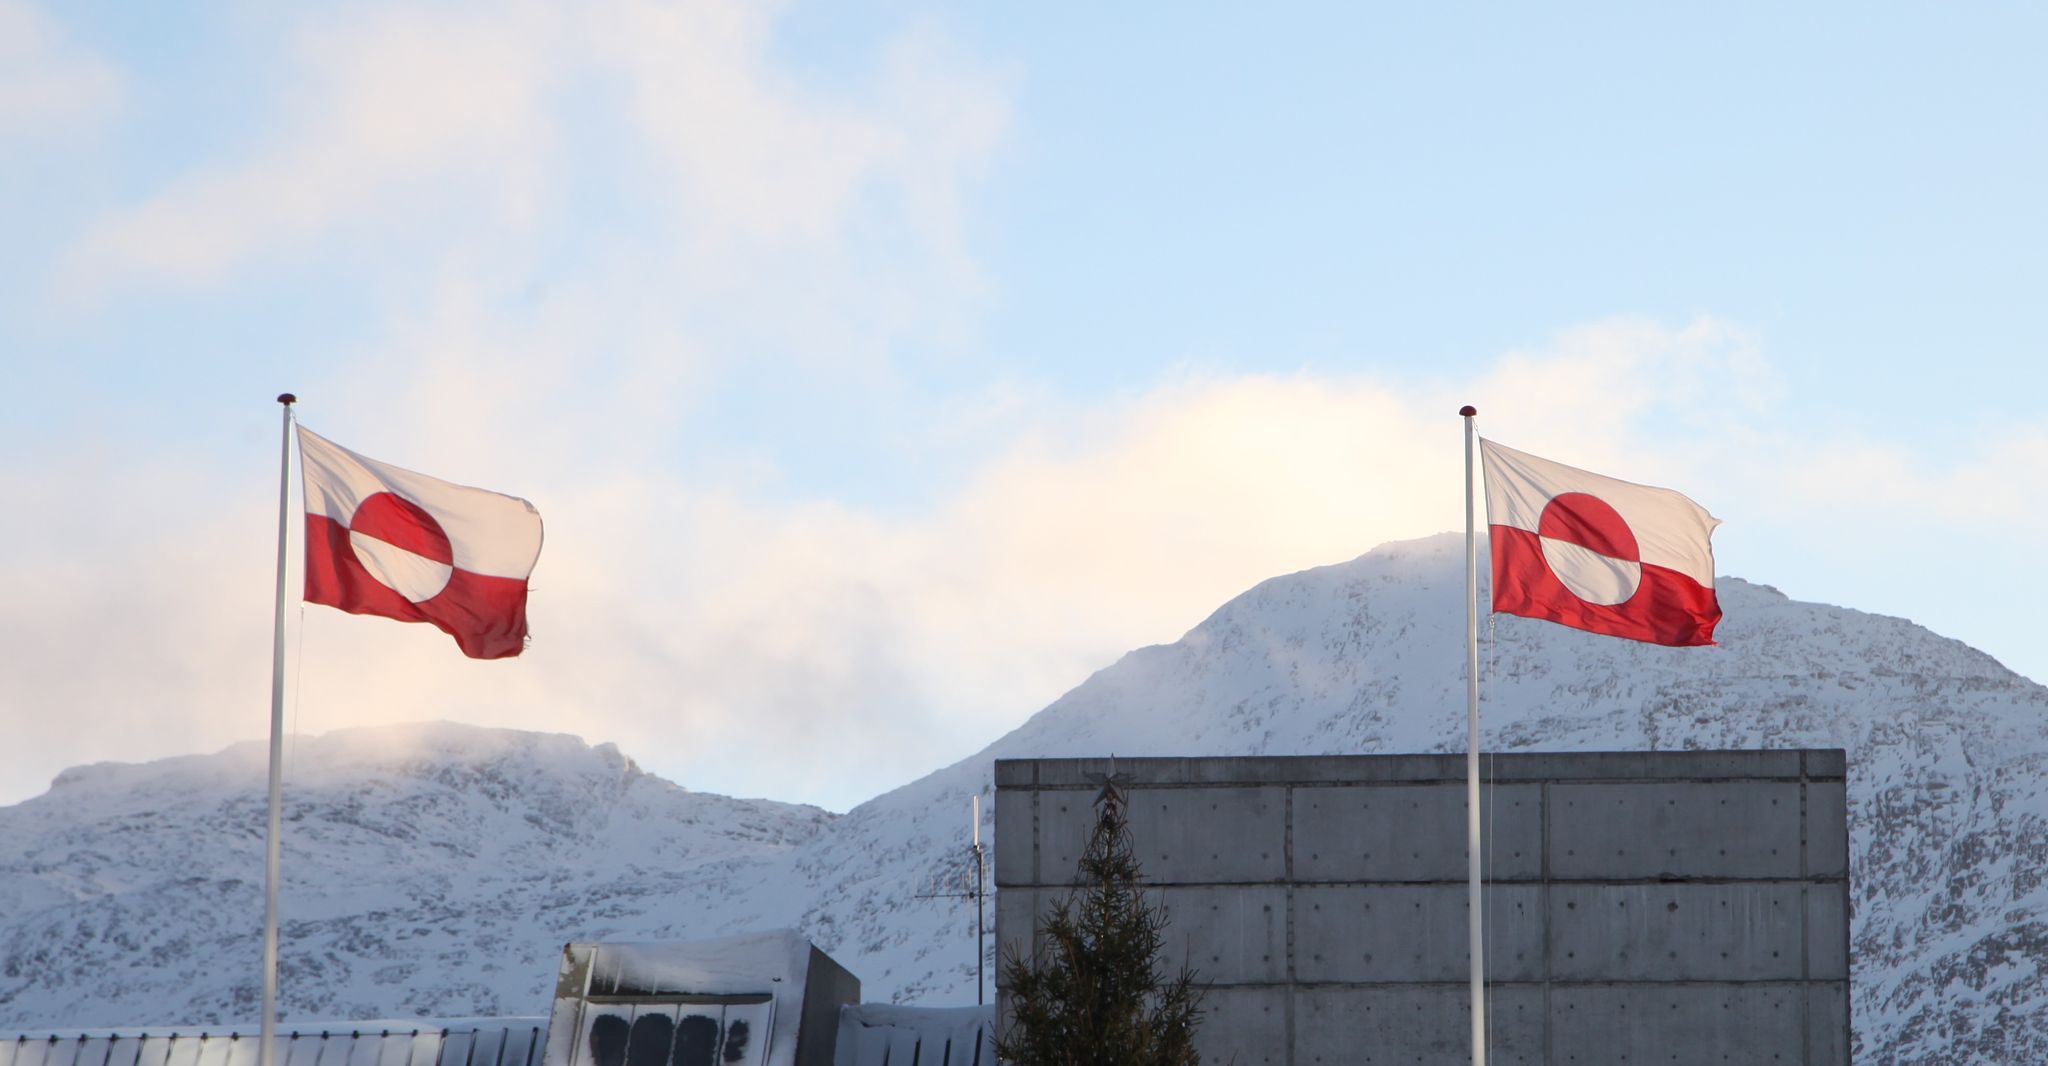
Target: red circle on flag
(402,523)
(401,545)
(1590,548)
(1587,521)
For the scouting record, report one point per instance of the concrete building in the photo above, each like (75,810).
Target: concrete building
(1674,908)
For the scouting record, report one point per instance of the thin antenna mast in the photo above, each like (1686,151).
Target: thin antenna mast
(980,911)
(979,895)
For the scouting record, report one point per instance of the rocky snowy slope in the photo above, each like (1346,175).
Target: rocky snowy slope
(429,870)
(438,870)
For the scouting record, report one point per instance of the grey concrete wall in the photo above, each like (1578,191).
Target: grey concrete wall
(1673,908)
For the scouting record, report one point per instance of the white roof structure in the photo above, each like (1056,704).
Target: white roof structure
(411,1042)
(757,999)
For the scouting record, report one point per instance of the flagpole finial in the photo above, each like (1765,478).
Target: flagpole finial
(1468,410)
(287,399)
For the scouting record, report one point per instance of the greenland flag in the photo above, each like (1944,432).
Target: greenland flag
(1598,554)
(386,541)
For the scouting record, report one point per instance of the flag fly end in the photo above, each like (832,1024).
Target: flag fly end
(1596,553)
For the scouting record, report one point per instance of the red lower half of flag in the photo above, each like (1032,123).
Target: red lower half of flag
(486,615)
(1666,608)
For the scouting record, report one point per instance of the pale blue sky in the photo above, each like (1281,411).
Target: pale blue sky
(883,368)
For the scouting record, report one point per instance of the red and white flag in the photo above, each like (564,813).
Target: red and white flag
(385,541)
(1596,553)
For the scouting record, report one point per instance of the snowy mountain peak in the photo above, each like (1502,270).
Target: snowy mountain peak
(433,868)
(436,869)
(418,749)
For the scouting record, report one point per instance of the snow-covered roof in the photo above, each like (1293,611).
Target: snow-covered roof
(409,1042)
(749,962)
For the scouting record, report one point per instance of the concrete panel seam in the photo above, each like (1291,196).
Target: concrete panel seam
(1289,845)
(1543,869)
(1817,882)
(1287,834)
(1037,870)
(1805,868)
(1252,782)
(1805,919)
(1287,1002)
(1518,768)
(1805,951)
(1531,986)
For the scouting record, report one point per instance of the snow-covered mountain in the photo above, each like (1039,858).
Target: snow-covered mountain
(429,870)
(437,870)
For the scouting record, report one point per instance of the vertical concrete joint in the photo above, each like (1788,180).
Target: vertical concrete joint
(1287,1004)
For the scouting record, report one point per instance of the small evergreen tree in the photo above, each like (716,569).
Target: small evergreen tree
(1093,994)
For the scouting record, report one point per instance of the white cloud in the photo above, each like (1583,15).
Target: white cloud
(45,81)
(1998,486)
(467,122)
(1101,528)
(811,648)
(386,101)
(762,217)
(1609,389)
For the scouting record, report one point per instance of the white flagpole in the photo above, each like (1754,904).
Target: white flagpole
(1476,923)
(264,1048)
